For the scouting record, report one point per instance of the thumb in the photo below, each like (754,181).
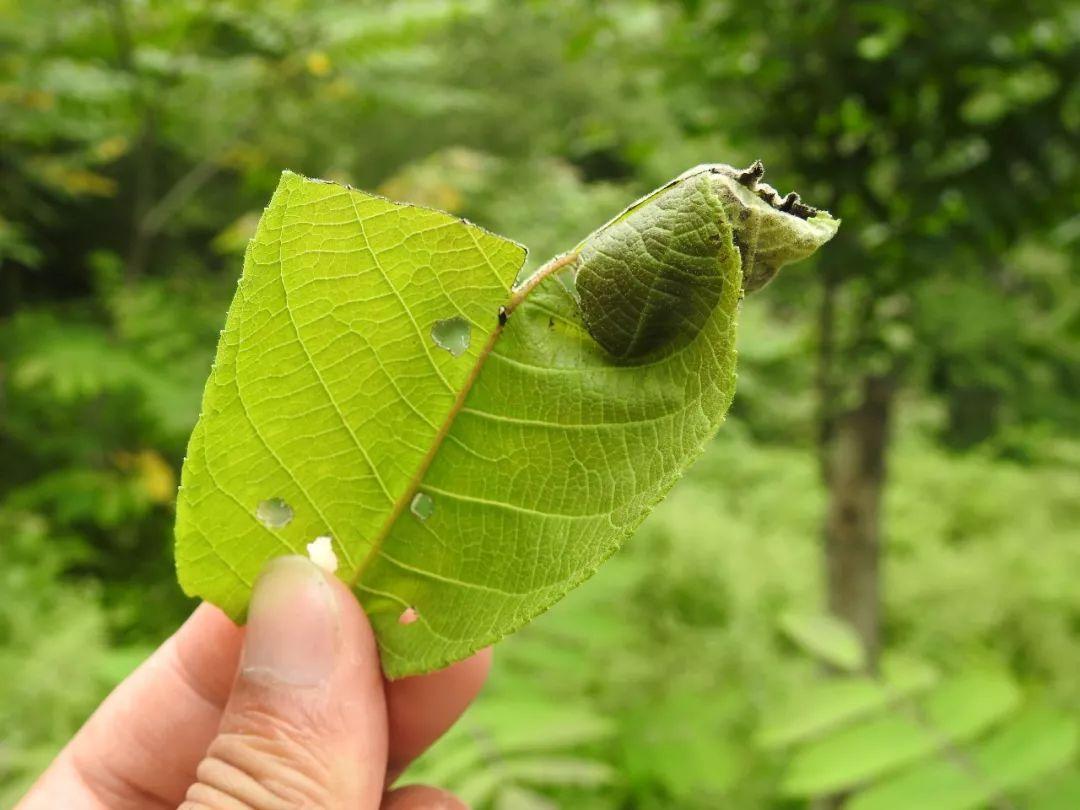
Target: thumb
(305,725)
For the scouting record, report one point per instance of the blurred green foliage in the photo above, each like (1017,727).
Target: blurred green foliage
(140,139)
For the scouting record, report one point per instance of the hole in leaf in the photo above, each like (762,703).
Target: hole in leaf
(274,513)
(423,506)
(408,616)
(452,334)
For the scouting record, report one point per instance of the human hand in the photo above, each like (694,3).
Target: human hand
(290,712)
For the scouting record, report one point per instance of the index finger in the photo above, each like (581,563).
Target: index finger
(423,707)
(141,747)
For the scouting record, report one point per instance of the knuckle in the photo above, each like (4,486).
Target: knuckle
(267,764)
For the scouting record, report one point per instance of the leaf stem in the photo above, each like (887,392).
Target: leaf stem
(519,294)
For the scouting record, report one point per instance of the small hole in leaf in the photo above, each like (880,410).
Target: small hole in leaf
(423,506)
(408,616)
(452,334)
(274,513)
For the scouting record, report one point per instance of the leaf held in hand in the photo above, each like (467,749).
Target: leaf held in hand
(473,452)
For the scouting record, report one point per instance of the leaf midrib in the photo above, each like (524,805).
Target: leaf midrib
(402,503)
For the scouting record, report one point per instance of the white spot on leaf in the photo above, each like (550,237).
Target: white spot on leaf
(321,552)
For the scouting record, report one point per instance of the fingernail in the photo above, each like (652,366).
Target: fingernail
(292,628)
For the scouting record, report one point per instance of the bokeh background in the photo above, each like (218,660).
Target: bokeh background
(865,595)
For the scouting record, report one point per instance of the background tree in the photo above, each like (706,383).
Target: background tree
(943,135)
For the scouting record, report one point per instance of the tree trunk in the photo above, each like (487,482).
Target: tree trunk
(855,477)
(853,449)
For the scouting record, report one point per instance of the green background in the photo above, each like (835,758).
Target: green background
(927,363)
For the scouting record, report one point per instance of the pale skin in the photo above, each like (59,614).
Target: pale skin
(290,712)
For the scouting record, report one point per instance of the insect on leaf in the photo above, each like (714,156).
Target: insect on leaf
(472,451)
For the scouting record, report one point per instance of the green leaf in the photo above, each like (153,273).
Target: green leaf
(1035,744)
(481,787)
(958,710)
(826,637)
(564,771)
(1060,793)
(518,798)
(501,742)
(528,726)
(489,780)
(817,707)
(678,741)
(469,467)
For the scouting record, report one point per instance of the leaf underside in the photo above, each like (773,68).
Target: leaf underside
(538,452)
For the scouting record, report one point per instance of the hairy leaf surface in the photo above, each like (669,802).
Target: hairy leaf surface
(471,450)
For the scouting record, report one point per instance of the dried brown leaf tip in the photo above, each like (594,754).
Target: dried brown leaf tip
(750,176)
(789,204)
